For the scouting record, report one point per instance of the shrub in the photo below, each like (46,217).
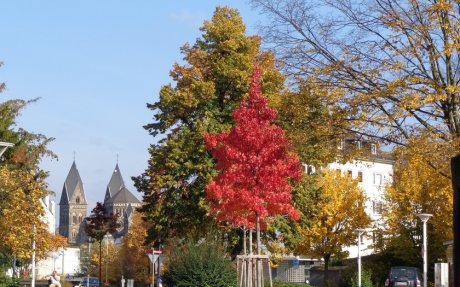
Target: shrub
(277,283)
(201,265)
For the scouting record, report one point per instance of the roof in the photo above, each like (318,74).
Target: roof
(123,196)
(115,184)
(72,182)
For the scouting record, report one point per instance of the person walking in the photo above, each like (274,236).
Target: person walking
(54,280)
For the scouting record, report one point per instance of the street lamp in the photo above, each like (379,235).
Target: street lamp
(107,236)
(424,218)
(359,232)
(4,146)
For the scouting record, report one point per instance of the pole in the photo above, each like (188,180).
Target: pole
(153,268)
(106,259)
(424,217)
(32,284)
(62,264)
(359,232)
(89,261)
(359,260)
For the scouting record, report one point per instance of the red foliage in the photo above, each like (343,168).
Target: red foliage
(254,163)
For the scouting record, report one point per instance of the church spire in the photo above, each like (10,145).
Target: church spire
(73,187)
(115,184)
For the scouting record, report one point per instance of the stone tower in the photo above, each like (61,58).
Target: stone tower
(73,207)
(119,200)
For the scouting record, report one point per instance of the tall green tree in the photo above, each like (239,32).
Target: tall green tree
(207,88)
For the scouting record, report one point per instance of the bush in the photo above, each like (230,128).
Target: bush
(277,283)
(201,265)
(365,279)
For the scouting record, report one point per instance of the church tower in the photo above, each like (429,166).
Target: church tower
(119,200)
(73,207)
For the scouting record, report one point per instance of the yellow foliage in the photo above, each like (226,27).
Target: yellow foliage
(419,187)
(20,210)
(340,210)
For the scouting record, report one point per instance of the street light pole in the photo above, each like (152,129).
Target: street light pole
(424,218)
(32,283)
(359,232)
(106,259)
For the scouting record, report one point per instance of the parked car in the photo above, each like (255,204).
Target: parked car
(93,282)
(402,276)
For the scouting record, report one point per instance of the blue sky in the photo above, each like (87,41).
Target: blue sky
(95,65)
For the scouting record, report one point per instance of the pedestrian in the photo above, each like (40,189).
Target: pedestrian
(54,280)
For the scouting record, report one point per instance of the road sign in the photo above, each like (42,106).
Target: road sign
(153,255)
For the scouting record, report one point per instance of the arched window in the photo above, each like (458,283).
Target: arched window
(77,200)
(74,219)
(80,218)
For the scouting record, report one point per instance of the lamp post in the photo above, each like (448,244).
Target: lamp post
(107,258)
(89,261)
(424,218)
(359,232)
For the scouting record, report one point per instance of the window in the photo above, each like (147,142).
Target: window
(377,207)
(80,218)
(340,145)
(373,149)
(77,200)
(360,176)
(310,169)
(74,219)
(350,173)
(378,179)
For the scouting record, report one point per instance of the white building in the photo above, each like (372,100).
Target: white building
(373,174)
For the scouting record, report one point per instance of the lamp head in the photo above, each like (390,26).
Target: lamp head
(424,216)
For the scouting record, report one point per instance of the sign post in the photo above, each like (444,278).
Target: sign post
(153,256)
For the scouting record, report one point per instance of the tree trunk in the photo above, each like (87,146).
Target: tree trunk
(455,169)
(244,240)
(100,263)
(258,234)
(250,241)
(326,269)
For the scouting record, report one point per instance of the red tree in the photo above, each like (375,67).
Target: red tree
(255,165)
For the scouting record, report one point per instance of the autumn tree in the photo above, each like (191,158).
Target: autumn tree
(339,211)
(133,252)
(396,62)
(99,224)
(22,187)
(207,88)
(254,164)
(416,188)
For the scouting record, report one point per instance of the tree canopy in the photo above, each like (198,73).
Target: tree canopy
(22,188)
(208,86)
(395,62)
(254,164)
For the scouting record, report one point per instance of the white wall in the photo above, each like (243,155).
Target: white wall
(375,175)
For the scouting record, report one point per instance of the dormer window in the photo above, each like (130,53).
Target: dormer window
(373,149)
(340,145)
(358,144)
(77,200)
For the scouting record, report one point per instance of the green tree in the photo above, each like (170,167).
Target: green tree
(99,224)
(208,87)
